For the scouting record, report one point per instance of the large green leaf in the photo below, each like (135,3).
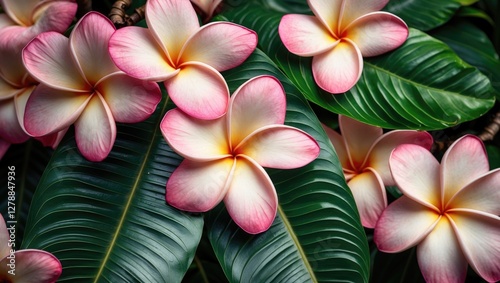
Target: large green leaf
(27,161)
(473,46)
(421,85)
(108,221)
(424,14)
(317,235)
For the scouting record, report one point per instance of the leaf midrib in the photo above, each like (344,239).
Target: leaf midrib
(295,240)
(132,194)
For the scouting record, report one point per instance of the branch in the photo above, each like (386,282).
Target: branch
(119,16)
(491,129)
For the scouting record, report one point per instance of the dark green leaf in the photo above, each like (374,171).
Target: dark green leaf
(108,221)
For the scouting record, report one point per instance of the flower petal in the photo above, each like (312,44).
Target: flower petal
(207,6)
(377,33)
(53,16)
(464,161)
(279,146)
(195,139)
(258,102)
(5,20)
(171,22)
(49,60)
(222,45)
(95,130)
(359,138)
(439,256)
(199,186)
(379,155)
(403,224)
(89,44)
(4,238)
(416,172)
(354,9)
(479,237)
(54,139)
(130,100)
(339,146)
(339,69)
(49,110)
(200,91)
(481,194)
(11,45)
(8,91)
(32,266)
(305,35)
(369,194)
(328,12)
(251,199)
(21,11)
(10,129)
(135,51)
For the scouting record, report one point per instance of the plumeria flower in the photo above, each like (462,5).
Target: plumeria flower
(21,22)
(26,266)
(207,6)
(224,157)
(186,57)
(449,210)
(80,85)
(339,35)
(364,151)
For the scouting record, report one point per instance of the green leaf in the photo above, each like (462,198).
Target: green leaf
(423,14)
(317,235)
(108,221)
(474,47)
(421,85)
(29,160)
(473,12)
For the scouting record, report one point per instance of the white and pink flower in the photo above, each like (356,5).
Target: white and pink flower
(339,35)
(80,85)
(224,157)
(450,211)
(364,151)
(174,49)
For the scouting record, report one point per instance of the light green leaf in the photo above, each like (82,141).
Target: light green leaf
(108,221)
(317,235)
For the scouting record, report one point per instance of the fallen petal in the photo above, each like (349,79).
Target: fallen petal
(32,266)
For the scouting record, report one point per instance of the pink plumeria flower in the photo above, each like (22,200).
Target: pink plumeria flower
(186,57)
(224,158)
(21,22)
(207,6)
(339,35)
(4,146)
(449,210)
(80,85)
(364,151)
(26,266)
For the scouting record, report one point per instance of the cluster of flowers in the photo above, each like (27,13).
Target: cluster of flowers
(99,76)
